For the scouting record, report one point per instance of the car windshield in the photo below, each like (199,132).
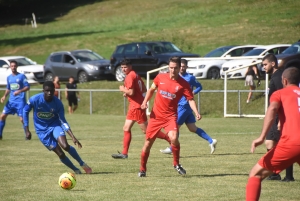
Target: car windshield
(254,52)
(218,52)
(86,56)
(294,49)
(23,61)
(163,47)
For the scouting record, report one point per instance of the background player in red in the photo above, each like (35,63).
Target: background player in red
(170,88)
(134,89)
(285,102)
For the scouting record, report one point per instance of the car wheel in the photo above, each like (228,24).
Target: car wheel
(166,70)
(213,73)
(82,77)
(49,77)
(119,75)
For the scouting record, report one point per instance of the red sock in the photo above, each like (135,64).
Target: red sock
(144,159)
(253,189)
(176,154)
(126,142)
(164,136)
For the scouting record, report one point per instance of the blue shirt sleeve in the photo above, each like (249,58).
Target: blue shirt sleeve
(7,85)
(27,108)
(196,84)
(25,82)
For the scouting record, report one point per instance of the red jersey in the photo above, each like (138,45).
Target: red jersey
(169,92)
(289,114)
(134,81)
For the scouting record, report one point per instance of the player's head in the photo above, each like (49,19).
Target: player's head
(13,66)
(71,79)
(126,66)
(270,63)
(48,89)
(174,67)
(56,79)
(291,76)
(183,66)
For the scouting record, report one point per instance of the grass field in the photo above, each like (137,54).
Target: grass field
(29,172)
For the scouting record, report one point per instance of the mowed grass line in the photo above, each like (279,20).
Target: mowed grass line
(29,172)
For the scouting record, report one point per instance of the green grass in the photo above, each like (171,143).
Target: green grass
(30,172)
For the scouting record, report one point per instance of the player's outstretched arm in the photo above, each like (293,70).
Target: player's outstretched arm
(269,120)
(27,108)
(193,105)
(197,85)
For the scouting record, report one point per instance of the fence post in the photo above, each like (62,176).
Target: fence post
(91,103)
(239,99)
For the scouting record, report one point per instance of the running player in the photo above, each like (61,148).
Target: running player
(134,89)
(16,87)
(286,103)
(185,113)
(50,126)
(170,88)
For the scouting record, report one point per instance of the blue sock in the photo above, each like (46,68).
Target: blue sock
(75,155)
(2,124)
(68,163)
(24,130)
(204,135)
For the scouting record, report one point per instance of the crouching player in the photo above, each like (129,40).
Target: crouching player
(50,126)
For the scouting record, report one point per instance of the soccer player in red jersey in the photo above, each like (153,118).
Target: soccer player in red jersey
(134,89)
(170,88)
(285,102)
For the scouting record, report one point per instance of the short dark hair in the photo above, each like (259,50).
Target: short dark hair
(13,61)
(48,84)
(184,61)
(126,62)
(271,58)
(176,60)
(71,77)
(292,74)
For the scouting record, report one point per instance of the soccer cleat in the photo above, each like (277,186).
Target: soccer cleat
(86,168)
(274,177)
(213,146)
(180,169)
(287,180)
(119,156)
(166,151)
(77,171)
(142,174)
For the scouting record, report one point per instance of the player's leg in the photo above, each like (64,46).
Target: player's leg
(60,136)
(75,103)
(145,155)
(289,176)
(70,109)
(173,135)
(252,88)
(2,123)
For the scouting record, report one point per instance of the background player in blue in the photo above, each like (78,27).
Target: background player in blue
(16,87)
(50,126)
(185,113)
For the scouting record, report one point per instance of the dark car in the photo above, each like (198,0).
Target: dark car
(290,57)
(83,65)
(144,56)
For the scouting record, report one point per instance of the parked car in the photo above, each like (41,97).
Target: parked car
(290,57)
(259,51)
(83,65)
(32,70)
(210,68)
(144,56)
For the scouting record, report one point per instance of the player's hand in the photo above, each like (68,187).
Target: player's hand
(28,135)
(76,142)
(121,87)
(144,106)
(124,95)
(2,99)
(256,143)
(198,116)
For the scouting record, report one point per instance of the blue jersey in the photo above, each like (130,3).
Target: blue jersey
(15,83)
(46,115)
(193,84)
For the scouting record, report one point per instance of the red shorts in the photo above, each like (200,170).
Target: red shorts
(155,125)
(280,158)
(137,114)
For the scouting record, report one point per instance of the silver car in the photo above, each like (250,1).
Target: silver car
(83,65)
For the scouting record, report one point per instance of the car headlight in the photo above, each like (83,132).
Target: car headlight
(92,67)
(201,66)
(279,60)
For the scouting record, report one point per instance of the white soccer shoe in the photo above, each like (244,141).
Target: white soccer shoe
(213,146)
(166,151)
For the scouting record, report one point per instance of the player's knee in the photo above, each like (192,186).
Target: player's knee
(65,146)
(3,117)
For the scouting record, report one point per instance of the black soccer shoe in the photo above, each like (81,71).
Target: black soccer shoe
(274,177)
(180,169)
(288,179)
(142,174)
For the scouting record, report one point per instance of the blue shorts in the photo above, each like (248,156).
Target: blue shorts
(185,115)
(49,138)
(13,108)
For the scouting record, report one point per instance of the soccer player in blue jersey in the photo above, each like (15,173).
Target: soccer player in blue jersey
(16,87)
(50,126)
(185,113)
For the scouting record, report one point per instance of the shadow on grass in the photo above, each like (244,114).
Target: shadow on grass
(101,173)
(225,154)
(217,175)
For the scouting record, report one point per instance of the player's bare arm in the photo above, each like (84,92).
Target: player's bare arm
(269,119)
(5,95)
(193,105)
(74,139)
(21,90)
(127,92)
(148,96)
(28,133)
